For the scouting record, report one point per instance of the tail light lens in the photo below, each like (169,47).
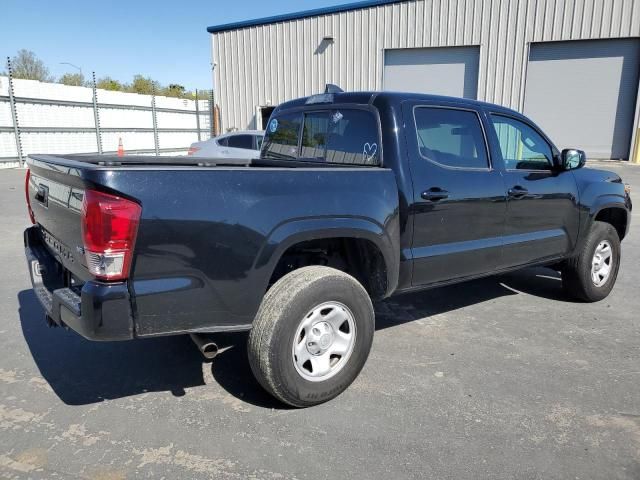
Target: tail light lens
(192,150)
(26,192)
(109,229)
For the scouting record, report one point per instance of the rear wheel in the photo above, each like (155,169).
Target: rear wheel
(311,336)
(591,274)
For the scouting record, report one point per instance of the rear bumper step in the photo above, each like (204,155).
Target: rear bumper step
(97,311)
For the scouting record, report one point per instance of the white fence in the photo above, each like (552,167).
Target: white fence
(37,117)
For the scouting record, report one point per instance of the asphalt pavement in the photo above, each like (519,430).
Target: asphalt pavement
(499,378)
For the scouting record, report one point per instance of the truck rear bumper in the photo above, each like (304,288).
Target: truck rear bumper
(97,311)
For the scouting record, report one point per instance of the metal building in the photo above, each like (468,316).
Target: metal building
(571,65)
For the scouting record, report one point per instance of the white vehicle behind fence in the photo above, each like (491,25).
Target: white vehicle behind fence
(243,144)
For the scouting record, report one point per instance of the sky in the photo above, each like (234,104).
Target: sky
(165,40)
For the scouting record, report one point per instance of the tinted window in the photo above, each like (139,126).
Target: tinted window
(258,142)
(241,141)
(334,136)
(340,136)
(521,146)
(281,137)
(352,138)
(451,137)
(223,141)
(314,135)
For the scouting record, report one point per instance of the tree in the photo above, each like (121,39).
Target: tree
(73,79)
(26,65)
(173,90)
(108,83)
(142,85)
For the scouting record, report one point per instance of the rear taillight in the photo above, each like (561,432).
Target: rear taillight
(26,191)
(109,229)
(192,150)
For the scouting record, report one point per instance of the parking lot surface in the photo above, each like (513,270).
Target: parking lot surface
(497,378)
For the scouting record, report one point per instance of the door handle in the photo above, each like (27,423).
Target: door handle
(434,194)
(517,191)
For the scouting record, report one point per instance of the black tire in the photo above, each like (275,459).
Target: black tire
(576,274)
(283,308)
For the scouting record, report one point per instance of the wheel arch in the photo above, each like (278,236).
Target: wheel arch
(609,209)
(358,229)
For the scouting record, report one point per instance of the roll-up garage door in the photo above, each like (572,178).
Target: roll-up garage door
(583,93)
(441,70)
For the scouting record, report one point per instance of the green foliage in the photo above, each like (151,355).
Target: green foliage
(108,83)
(173,90)
(72,79)
(27,66)
(142,85)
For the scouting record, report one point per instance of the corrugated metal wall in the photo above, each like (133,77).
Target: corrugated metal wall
(271,63)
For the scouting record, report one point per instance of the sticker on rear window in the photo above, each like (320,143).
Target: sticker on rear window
(273,126)
(369,152)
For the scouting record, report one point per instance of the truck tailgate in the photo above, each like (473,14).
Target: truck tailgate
(55,196)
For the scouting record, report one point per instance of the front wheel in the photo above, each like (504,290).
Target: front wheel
(311,336)
(591,274)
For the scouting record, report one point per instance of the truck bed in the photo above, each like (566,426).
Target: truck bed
(210,234)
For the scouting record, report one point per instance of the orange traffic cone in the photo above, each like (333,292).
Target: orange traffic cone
(120,148)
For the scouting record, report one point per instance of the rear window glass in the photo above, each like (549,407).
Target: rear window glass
(451,137)
(333,136)
(314,135)
(281,138)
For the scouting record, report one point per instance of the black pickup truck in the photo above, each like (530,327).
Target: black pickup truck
(355,196)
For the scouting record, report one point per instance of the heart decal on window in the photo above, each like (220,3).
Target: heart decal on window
(369,151)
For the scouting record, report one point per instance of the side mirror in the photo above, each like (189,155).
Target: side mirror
(572,159)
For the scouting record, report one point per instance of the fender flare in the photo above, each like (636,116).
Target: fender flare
(294,231)
(608,200)
(601,202)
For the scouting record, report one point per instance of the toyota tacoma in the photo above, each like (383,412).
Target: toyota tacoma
(354,197)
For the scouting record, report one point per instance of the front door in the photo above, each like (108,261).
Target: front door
(542,211)
(459,200)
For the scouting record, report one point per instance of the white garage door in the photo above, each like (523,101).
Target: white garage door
(583,93)
(443,70)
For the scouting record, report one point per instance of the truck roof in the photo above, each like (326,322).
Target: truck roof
(367,97)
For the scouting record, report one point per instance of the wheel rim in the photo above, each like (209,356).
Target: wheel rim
(324,341)
(602,263)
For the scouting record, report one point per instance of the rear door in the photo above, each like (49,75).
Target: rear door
(459,200)
(542,211)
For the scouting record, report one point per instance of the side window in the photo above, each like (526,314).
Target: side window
(521,146)
(258,142)
(281,138)
(223,142)
(451,137)
(241,141)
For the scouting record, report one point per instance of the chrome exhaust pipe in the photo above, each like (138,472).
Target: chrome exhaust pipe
(208,348)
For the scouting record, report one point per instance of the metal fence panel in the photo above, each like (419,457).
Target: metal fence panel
(55,118)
